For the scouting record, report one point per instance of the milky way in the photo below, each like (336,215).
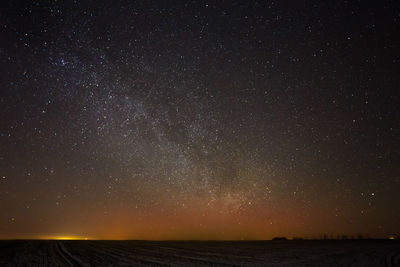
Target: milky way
(199,120)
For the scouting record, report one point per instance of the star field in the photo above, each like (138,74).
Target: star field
(199,120)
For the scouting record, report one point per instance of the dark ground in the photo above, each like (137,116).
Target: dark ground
(196,253)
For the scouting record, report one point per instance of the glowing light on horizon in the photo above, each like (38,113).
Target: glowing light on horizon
(65,237)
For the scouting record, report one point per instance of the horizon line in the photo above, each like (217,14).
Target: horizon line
(204,240)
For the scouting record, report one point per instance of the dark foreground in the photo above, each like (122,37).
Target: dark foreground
(193,253)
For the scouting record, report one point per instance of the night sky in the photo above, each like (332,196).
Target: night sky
(199,120)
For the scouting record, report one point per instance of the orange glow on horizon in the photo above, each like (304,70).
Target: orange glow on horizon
(64,237)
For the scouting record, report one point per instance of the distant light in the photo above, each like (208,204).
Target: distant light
(65,237)
(391,238)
